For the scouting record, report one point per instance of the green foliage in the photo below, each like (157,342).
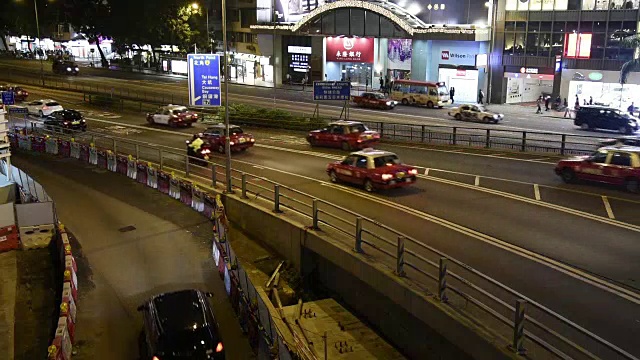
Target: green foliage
(631,42)
(242,114)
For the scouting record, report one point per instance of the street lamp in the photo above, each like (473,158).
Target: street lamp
(35,7)
(196,6)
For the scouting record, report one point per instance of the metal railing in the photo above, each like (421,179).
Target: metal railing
(473,137)
(451,281)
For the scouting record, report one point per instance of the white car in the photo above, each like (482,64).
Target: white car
(475,113)
(43,107)
(172,115)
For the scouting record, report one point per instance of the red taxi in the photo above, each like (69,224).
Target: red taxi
(373,169)
(173,115)
(616,165)
(346,135)
(215,138)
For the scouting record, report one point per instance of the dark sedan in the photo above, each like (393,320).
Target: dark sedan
(65,120)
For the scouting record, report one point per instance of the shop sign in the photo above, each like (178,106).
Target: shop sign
(331,90)
(359,50)
(595,76)
(299,50)
(461,72)
(299,62)
(526,70)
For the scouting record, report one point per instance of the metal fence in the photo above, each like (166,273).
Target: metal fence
(453,282)
(474,137)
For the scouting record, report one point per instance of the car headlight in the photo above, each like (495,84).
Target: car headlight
(387,177)
(77,69)
(68,69)
(231,143)
(495,116)
(388,103)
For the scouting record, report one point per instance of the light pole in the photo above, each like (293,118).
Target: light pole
(226,97)
(35,8)
(206,11)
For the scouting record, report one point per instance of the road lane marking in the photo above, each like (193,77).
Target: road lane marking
(607,207)
(536,191)
(477,182)
(454,183)
(514,249)
(472,154)
(426,171)
(258,167)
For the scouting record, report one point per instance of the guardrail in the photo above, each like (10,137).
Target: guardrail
(474,137)
(453,282)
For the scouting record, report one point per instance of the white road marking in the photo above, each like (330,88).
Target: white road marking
(477,182)
(536,191)
(258,167)
(607,207)
(426,171)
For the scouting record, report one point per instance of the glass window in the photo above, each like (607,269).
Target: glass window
(626,54)
(349,160)
(629,28)
(509,26)
(599,157)
(557,44)
(571,4)
(615,25)
(545,26)
(586,26)
(600,26)
(358,128)
(534,26)
(597,46)
(521,25)
(532,43)
(519,44)
(386,160)
(361,162)
(621,159)
(611,53)
(558,26)
(337,130)
(509,39)
(544,45)
(572,26)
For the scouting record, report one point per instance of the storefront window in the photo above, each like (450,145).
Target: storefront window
(599,26)
(521,25)
(519,44)
(534,26)
(545,26)
(597,46)
(572,26)
(532,44)
(611,53)
(572,4)
(558,26)
(629,28)
(557,44)
(509,40)
(586,26)
(544,45)
(626,54)
(509,26)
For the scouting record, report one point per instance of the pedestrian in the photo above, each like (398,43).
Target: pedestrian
(452,92)
(590,100)
(289,79)
(547,100)
(304,81)
(567,110)
(631,109)
(381,83)
(539,103)
(480,96)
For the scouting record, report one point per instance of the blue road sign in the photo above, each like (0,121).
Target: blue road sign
(17,110)
(331,90)
(8,98)
(204,79)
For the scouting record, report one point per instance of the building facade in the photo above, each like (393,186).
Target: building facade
(563,48)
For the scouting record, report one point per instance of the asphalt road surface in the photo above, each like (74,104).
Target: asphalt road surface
(169,249)
(583,267)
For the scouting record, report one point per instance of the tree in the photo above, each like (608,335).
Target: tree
(92,18)
(18,18)
(631,42)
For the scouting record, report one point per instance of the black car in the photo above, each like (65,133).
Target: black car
(180,325)
(65,67)
(631,140)
(65,120)
(602,117)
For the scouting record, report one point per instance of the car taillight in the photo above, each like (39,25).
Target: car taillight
(205,151)
(45,107)
(219,348)
(387,176)
(156,358)
(231,143)
(253,140)
(413,172)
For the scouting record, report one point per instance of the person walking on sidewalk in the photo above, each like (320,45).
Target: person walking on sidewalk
(590,100)
(567,110)
(631,109)
(539,103)
(547,100)
(452,92)
(480,96)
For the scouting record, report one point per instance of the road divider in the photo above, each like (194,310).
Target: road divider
(371,238)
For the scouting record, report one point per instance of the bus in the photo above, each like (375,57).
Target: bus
(412,92)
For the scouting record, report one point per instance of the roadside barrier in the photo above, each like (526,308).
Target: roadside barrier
(142,172)
(9,235)
(93,154)
(75,149)
(410,258)
(61,346)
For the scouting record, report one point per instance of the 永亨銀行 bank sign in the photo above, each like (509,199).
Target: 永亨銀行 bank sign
(345,49)
(204,79)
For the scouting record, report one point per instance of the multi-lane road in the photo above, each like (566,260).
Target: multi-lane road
(507,216)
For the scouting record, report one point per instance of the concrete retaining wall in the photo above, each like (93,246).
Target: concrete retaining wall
(419,325)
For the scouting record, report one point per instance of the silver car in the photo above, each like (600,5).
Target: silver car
(43,107)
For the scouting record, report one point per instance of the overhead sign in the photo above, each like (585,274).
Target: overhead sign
(331,90)
(204,79)
(345,49)
(17,110)
(299,50)
(526,70)
(8,98)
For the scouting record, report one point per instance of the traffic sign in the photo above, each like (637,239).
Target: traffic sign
(204,79)
(331,90)
(8,98)
(17,110)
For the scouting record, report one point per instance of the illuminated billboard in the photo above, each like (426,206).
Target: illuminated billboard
(577,45)
(435,12)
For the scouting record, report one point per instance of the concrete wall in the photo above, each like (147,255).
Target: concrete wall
(417,324)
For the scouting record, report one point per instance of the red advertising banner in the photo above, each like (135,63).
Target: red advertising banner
(344,49)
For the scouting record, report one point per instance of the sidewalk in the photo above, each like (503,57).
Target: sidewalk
(8,281)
